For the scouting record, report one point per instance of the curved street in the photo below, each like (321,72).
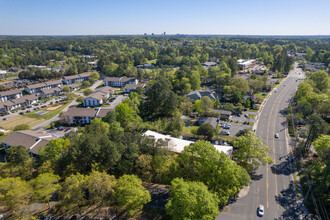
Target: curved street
(272,185)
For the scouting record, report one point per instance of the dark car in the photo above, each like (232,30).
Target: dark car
(27,111)
(67,129)
(21,113)
(4,119)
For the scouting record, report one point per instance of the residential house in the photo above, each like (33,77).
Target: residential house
(76,78)
(73,87)
(18,103)
(224,115)
(145,66)
(10,94)
(119,81)
(199,94)
(208,65)
(50,92)
(81,116)
(3,72)
(107,90)
(97,97)
(35,88)
(246,64)
(94,99)
(31,140)
(213,121)
(177,145)
(132,87)
(15,69)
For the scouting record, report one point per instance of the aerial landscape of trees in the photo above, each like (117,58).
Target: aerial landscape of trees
(108,163)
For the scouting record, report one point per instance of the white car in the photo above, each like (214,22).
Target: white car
(261,210)
(276,135)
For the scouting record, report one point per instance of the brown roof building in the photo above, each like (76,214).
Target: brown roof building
(31,140)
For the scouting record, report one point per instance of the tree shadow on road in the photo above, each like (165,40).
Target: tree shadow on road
(289,201)
(283,168)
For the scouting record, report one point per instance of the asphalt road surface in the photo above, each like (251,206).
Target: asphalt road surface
(272,185)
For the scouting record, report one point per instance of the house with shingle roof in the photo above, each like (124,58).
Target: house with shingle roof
(199,94)
(76,78)
(10,94)
(119,81)
(31,140)
(50,92)
(35,88)
(81,116)
(18,103)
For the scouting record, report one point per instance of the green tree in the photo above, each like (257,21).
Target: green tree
(206,130)
(66,90)
(321,80)
(207,105)
(87,92)
(195,80)
(144,167)
(73,192)
(44,186)
(251,152)
(130,194)
(94,76)
(100,187)
(22,127)
(191,200)
(14,193)
(203,163)
(17,155)
(86,84)
(54,149)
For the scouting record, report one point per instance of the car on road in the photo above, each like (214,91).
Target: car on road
(27,111)
(261,210)
(276,135)
(226,133)
(284,84)
(67,129)
(21,113)
(4,119)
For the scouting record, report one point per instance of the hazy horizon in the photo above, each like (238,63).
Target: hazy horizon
(129,17)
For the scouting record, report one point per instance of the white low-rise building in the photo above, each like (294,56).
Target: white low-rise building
(177,145)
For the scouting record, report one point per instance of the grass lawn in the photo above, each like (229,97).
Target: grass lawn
(187,131)
(226,138)
(3,137)
(252,116)
(12,122)
(253,110)
(152,61)
(261,95)
(48,115)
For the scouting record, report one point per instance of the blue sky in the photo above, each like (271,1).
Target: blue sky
(92,17)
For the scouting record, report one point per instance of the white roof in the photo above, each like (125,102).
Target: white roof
(177,145)
(245,62)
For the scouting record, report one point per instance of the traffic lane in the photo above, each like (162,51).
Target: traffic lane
(282,166)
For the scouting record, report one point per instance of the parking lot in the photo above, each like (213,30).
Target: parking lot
(235,128)
(242,118)
(117,100)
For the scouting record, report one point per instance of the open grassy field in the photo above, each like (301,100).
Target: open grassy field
(12,122)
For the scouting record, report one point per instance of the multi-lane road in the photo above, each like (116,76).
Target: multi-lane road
(272,185)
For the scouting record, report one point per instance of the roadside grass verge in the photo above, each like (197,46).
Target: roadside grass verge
(189,131)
